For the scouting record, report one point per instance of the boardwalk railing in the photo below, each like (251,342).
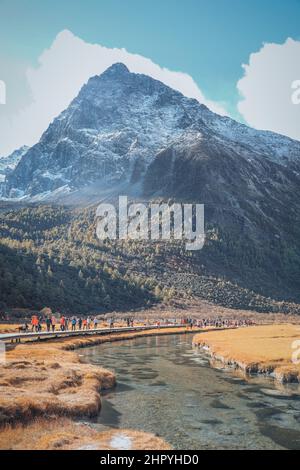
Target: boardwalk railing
(18,337)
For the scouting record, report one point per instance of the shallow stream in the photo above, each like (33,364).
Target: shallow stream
(167,387)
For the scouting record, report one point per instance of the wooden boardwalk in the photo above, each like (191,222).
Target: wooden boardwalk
(18,337)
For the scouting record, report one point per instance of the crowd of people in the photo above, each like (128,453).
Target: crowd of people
(63,323)
(216,322)
(223,323)
(205,322)
(54,323)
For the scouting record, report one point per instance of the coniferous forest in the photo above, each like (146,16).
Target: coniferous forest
(50,256)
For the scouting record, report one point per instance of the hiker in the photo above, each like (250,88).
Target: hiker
(48,324)
(80,323)
(84,324)
(62,323)
(66,323)
(53,323)
(74,321)
(88,323)
(34,323)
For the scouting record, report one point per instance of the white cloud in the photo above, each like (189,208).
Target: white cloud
(266,89)
(62,70)
(2,92)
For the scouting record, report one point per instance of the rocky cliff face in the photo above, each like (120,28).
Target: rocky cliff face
(120,123)
(9,163)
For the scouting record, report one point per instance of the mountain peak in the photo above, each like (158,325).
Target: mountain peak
(117,68)
(118,125)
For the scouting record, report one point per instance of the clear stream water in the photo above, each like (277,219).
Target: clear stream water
(167,387)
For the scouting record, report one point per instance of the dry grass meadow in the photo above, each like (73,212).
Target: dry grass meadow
(257,349)
(64,434)
(46,379)
(44,386)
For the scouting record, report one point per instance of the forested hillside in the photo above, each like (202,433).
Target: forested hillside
(44,261)
(50,256)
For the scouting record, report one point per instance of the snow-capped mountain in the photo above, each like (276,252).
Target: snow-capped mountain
(9,163)
(119,125)
(129,134)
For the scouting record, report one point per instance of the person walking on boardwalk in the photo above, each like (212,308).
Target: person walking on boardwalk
(84,324)
(53,323)
(74,321)
(34,323)
(88,323)
(48,324)
(95,323)
(80,323)
(62,323)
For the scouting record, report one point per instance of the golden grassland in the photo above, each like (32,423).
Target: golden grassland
(46,379)
(42,378)
(44,385)
(64,434)
(9,328)
(259,349)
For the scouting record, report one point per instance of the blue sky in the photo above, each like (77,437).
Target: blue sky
(208,39)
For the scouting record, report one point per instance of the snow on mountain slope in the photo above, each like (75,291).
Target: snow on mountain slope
(9,163)
(117,125)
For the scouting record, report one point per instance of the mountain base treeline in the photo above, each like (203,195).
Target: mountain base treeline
(50,256)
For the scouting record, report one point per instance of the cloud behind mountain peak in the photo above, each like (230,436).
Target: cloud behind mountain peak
(63,69)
